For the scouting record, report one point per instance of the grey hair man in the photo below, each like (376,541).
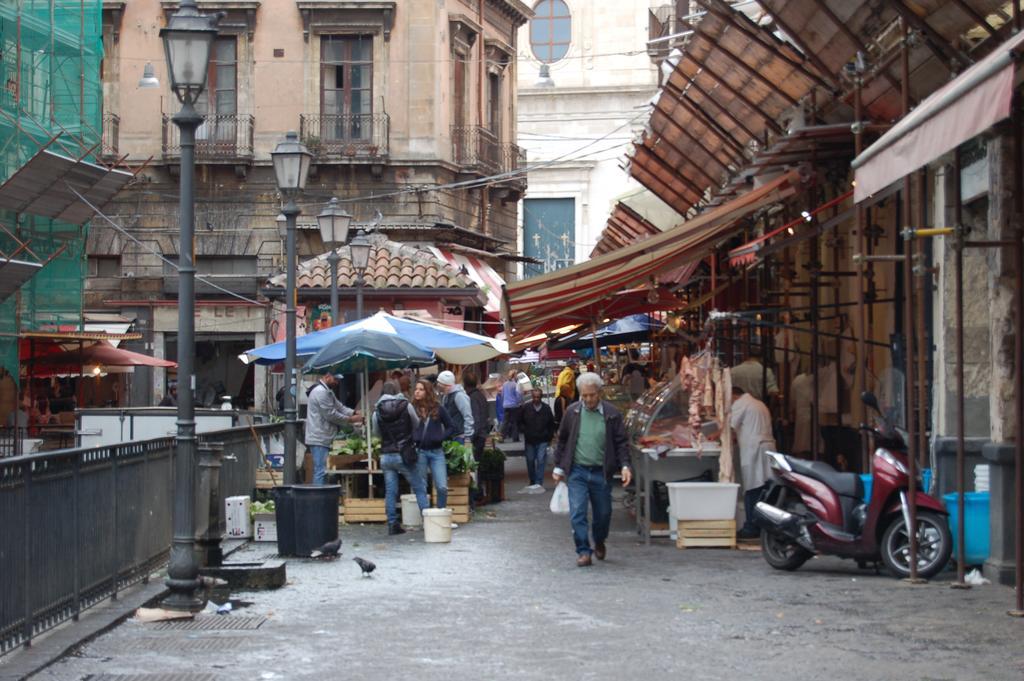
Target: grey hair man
(591,448)
(324,416)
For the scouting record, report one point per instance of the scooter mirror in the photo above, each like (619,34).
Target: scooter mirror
(868,398)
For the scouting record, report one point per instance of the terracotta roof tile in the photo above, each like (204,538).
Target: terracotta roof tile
(391,265)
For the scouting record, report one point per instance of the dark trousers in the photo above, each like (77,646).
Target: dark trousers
(510,426)
(750,499)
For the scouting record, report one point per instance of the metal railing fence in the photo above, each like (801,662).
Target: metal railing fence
(79,525)
(346,137)
(220,137)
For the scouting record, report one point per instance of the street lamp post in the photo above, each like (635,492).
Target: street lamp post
(360,248)
(334,223)
(291,167)
(187,40)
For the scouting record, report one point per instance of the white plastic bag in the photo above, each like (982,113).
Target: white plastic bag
(560,499)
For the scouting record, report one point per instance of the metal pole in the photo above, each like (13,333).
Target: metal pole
(1018,252)
(958,255)
(333,259)
(359,296)
(861,372)
(291,393)
(908,328)
(183,570)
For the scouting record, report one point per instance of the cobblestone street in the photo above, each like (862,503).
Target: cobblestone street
(505,600)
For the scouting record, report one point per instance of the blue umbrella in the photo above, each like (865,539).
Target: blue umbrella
(367,350)
(631,329)
(451,345)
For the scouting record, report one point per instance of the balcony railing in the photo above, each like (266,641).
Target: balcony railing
(221,137)
(476,148)
(346,137)
(513,160)
(111,133)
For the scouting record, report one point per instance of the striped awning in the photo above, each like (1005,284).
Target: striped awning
(480,273)
(528,304)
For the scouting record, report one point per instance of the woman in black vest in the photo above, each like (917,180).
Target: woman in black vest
(394,419)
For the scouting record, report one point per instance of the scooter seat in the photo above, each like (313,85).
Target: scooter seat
(845,484)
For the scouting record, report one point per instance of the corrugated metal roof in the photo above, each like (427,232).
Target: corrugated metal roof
(43,187)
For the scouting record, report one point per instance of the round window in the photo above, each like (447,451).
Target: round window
(550,30)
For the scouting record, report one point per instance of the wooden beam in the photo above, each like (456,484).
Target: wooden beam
(708,122)
(737,20)
(724,109)
(693,138)
(974,14)
(664,165)
(736,59)
(681,204)
(853,37)
(667,166)
(768,120)
(797,40)
(938,45)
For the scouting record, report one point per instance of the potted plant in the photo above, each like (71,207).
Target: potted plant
(492,474)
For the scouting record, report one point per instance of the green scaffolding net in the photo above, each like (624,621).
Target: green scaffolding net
(51,96)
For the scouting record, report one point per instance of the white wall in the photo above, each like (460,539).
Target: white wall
(583,125)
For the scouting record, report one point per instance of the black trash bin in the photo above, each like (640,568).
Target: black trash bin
(307,517)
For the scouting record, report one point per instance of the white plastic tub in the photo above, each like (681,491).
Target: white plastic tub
(702,500)
(437,525)
(411,511)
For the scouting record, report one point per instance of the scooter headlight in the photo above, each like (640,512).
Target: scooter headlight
(892,461)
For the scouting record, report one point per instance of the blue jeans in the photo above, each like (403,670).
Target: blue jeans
(434,460)
(589,484)
(392,465)
(536,459)
(319,463)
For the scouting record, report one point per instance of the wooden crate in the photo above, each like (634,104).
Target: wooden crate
(458,498)
(363,510)
(266,480)
(706,533)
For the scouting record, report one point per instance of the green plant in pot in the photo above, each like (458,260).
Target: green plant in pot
(492,464)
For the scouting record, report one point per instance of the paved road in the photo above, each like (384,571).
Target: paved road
(505,600)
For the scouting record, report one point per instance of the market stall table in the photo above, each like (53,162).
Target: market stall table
(674,464)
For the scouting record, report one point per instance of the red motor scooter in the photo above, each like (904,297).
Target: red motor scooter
(811,508)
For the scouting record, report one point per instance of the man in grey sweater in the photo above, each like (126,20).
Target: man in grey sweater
(324,415)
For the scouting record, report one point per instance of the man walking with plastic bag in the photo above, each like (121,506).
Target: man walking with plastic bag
(591,447)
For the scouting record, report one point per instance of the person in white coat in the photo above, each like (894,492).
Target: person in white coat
(752,423)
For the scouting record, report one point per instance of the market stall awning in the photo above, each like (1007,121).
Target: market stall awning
(46,186)
(13,275)
(531,304)
(101,354)
(965,107)
(479,272)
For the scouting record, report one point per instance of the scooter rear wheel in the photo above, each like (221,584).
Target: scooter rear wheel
(781,553)
(934,545)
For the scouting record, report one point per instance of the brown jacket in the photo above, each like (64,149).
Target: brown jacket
(616,443)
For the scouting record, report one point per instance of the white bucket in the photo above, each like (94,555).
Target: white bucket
(411,511)
(437,525)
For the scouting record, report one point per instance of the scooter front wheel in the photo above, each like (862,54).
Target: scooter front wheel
(782,553)
(934,545)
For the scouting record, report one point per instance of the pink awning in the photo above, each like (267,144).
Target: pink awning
(963,108)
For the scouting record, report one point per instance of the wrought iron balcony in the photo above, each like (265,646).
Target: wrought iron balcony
(476,148)
(513,160)
(111,133)
(346,138)
(221,137)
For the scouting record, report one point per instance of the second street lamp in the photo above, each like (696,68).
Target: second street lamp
(291,168)
(187,39)
(360,248)
(334,223)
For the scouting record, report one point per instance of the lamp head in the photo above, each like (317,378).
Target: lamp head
(334,222)
(188,39)
(291,163)
(360,247)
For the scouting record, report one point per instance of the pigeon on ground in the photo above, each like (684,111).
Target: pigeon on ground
(366,566)
(328,550)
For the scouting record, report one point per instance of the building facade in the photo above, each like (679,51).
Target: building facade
(409,109)
(576,124)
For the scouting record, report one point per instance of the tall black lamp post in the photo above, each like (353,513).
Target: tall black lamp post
(360,248)
(334,222)
(187,39)
(291,167)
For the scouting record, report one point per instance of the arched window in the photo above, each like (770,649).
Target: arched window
(550,30)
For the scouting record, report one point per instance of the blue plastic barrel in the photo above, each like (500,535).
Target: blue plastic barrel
(976,504)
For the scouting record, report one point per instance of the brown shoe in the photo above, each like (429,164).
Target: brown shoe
(584,560)
(600,551)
